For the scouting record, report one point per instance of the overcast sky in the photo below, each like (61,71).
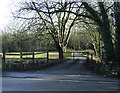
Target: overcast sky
(4,13)
(6,9)
(6,6)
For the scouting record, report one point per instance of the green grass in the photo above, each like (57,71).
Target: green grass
(67,54)
(53,55)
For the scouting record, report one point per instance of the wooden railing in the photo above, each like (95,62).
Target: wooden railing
(47,55)
(23,55)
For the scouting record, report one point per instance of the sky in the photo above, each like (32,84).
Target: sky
(6,6)
(5,14)
(6,9)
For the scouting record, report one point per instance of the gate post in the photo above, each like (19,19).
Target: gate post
(47,56)
(87,55)
(73,55)
(4,56)
(21,57)
(33,56)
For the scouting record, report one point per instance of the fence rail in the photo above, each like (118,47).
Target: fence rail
(47,55)
(11,54)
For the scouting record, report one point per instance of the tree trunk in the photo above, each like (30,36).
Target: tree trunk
(108,44)
(60,50)
(60,54)
(64,48)
(106,34)
(117,20)
(117,32)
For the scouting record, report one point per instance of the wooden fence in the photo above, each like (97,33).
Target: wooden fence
(47,56)
(23,54)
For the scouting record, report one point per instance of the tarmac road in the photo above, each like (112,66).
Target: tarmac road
(68,76)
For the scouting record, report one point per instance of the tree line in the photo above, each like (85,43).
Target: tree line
(16,41)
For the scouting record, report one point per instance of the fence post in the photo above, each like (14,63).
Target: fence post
(73,55)
(33,56)
(47,56)
(4,56)
(21,57)
(87,55)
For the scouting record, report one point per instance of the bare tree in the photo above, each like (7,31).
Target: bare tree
(101,19)
(58,25)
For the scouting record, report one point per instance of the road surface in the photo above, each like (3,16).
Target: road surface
(68,76)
